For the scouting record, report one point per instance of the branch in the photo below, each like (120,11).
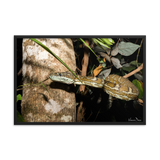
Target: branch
(84,64)
(130,74)
(85,60)
(140,102)
(135,71)
(138,52)
(20,72)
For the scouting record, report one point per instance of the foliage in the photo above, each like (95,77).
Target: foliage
(114,55)
(111,55)
(130,66)
(139,86)
(19,116)
(19,97)
(127,48)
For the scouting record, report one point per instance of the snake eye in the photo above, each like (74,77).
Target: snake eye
(58,74)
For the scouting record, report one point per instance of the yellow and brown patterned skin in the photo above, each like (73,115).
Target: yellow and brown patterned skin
(114,85)
(120,87)
(90,81)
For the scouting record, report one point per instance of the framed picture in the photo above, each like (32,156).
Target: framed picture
(74,80)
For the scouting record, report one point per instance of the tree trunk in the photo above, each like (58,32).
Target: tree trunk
(58,104)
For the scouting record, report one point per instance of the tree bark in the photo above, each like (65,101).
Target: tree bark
(58,104)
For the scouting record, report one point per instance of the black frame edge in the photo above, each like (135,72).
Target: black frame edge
(79,34)
(147,62)
(12,89)
(15,79)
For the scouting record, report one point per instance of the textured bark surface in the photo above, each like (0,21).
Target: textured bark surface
(38,105)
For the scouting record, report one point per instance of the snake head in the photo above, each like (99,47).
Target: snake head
(63,77)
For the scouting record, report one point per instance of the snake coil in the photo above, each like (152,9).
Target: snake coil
(114,85)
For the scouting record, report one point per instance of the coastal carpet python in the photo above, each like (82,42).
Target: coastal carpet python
(114,85)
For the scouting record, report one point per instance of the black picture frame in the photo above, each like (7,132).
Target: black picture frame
(143,122)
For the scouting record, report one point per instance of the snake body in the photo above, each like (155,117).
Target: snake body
(114,85)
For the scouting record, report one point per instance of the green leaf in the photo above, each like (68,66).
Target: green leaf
(127,48)
(139,86)
(122,72)
(101,49)
(100,43)
(134,63)
(105,73)
(116,62)
(111,40)
(44,86)
(88,47)
(129,69)
(100,39)
(103,65)
(107,41)
(19,117)
(24,85)
(19,97)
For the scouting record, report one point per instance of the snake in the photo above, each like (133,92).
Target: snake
(113,84)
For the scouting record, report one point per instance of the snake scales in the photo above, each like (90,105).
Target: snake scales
(114,85)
